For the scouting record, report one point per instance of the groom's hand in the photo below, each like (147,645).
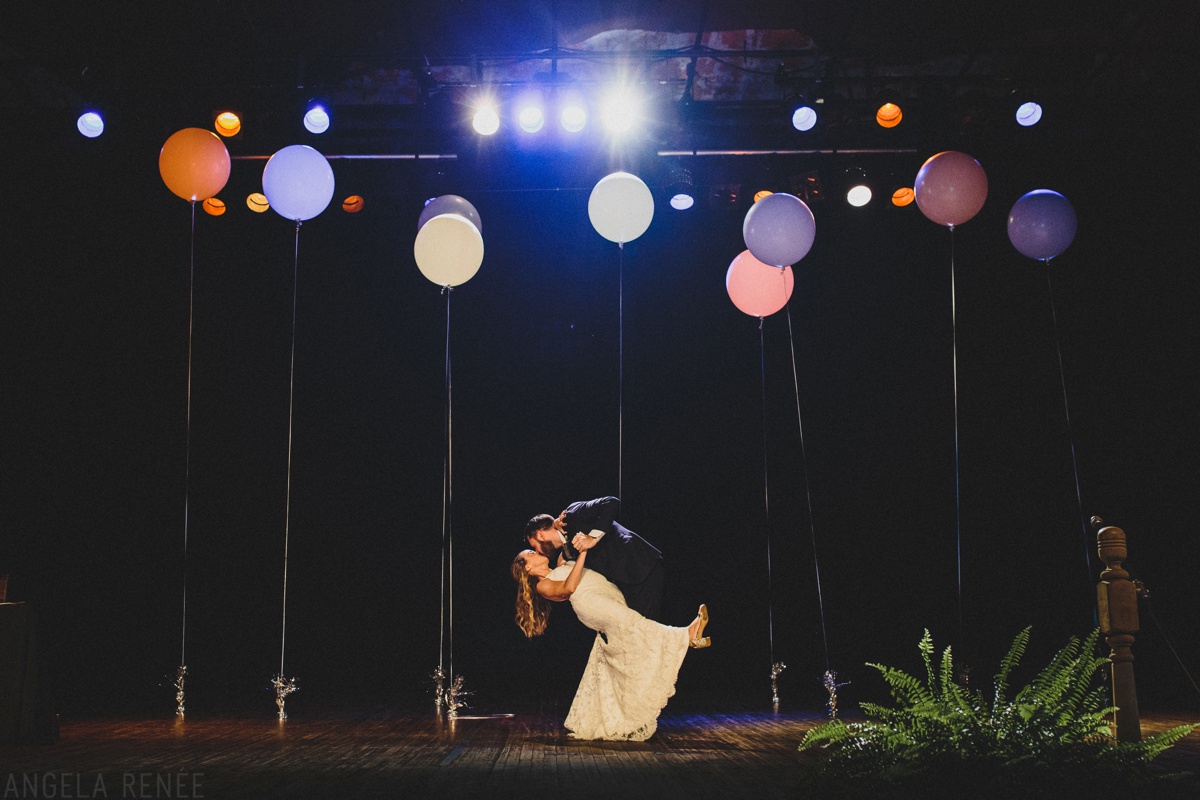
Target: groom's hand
(582,542)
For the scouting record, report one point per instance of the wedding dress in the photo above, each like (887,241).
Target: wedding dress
(629,678)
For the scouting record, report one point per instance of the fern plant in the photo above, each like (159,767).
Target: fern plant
(1048,739)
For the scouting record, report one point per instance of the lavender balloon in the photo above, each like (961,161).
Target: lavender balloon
(1042,224)
(779,230)
(449,204)
(298,182)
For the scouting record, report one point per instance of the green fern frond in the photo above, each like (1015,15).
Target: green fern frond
(904,687)
(1010,661)
(926,648)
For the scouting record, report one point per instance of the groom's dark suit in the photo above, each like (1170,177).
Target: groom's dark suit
(625,558)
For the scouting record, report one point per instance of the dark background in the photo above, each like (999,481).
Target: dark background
(95,253)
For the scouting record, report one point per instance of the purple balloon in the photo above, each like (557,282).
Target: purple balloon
(779,229)
(449,204)
(1042,224)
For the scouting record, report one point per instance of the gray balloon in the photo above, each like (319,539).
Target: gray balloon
(449,204)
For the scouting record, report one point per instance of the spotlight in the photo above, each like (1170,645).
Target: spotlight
(573,115)
(316,117)
(228,123)
(90,124)
(257,202)
(888,115)
(903,196)
(804,118)
(859,193)
(530,118)
(486,120)
(621,110)
(352,204)
(681,189)
(761,194)
(214,206)
(1028,114)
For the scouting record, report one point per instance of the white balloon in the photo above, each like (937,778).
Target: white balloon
(298,182)
(621,207)
(448,250)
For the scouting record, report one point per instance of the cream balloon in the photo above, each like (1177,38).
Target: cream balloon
(621,207)
(448,250)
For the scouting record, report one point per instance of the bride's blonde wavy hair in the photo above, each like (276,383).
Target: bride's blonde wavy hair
(533,610)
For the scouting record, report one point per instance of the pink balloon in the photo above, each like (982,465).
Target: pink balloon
(756,288)
(950,188)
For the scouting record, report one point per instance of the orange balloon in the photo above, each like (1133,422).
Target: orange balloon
(194,164)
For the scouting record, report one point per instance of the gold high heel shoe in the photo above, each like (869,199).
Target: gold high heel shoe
(700,640)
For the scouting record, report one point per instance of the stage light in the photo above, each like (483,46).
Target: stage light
(903,196)
(804,118)
(573,117)
(888,115)
(214,206)
(316,117)
(1029,114)
(622,109)
(486,120)
(90,124)
(352,204)
(530,118)
(859,195)
(759,195)
(257,202)
(228,123)
(681,189)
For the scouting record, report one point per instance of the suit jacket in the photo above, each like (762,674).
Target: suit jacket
(621,555)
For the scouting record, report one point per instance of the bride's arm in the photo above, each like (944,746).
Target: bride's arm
(562,590)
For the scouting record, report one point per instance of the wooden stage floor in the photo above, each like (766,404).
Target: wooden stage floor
(415,755)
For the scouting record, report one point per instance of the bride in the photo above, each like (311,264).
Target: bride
(630,676)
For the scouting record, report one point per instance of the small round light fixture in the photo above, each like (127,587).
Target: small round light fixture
(859,195)
(90,124)
(486,120)
(903,196)
(573,117)
(316,118)
(257,202)
(888,115)
(531,119)
(214,206)
(804,118)
(352,204)
(228,124)
(682,201)
(760,195)
(1029,114)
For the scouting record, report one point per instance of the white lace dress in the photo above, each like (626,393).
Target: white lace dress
(629,678)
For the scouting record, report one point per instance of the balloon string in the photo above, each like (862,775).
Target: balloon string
(766,493)
(187,471)
(446,643)
(957,472)
(287,511)
(808,491)
(620,369)
(1062,374)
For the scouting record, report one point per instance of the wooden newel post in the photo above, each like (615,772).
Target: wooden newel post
(1116,598)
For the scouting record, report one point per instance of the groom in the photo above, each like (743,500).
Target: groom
(619,554)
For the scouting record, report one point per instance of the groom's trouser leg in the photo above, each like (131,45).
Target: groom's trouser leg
(646,597)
